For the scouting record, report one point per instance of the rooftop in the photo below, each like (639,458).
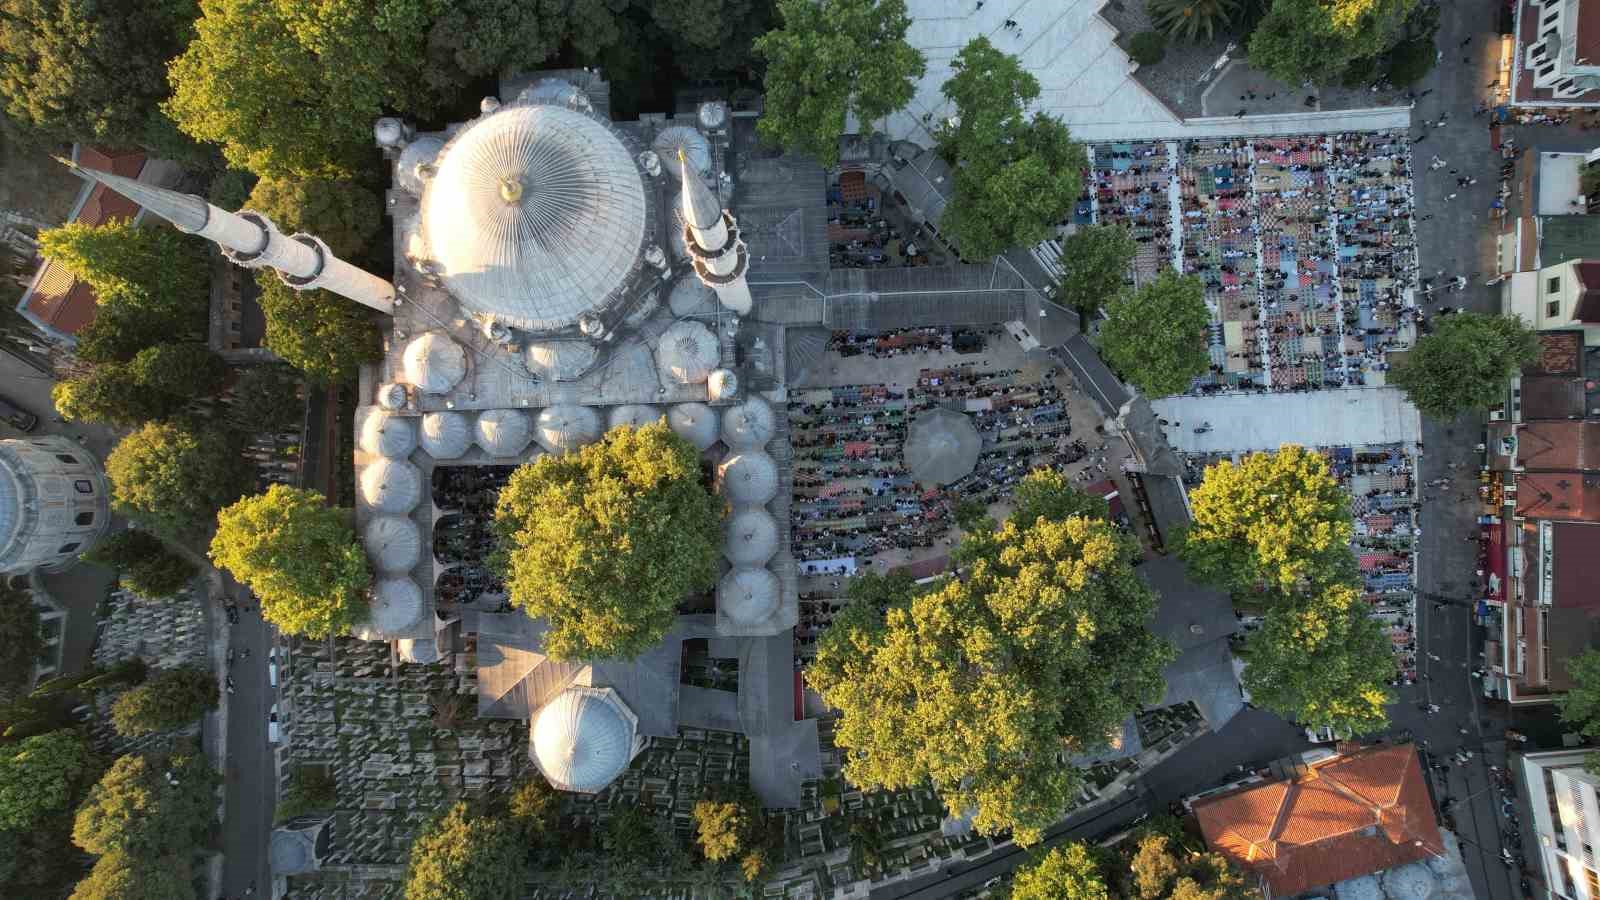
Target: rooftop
(1563,238)
(1559,446)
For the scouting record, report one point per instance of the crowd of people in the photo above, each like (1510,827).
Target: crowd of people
(883,344)
(1219,246)
(464,539)
(1132,186)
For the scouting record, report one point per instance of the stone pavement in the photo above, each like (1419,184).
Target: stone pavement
(1251,421)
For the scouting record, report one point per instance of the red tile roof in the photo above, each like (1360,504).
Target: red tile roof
(1588,42)
(1577,565)
(1567,496)
(1564,445)
(1358,813)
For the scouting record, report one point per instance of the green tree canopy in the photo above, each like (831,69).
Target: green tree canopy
(172,699)
(1192,20)
(1275,519)
(486,37)
(299,556)
(124,876)
(325,336)
(1156,336)
(148,568)
(1095,259)
(85,70)
(605,542)
(1162,867)
(148,806)
(729,826)
(981,685)
(1314,40)
(1465,363)
(173,478)
(1580,705)
(39,776)
(535,808)
(1068,872)
(1320,659)
(464,856)
(832,58)
(266,398)
(181,371)
(708,35)
(111,394)
(344,213)
(20,641)
(1015,176)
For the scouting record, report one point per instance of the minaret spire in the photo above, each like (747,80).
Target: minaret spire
(251,240)
(712,235)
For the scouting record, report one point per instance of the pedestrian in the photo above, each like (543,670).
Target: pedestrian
(1451,197)
(1239,114)
(1420,139)
(1467,41)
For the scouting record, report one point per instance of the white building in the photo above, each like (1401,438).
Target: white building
(1558,54)
(54,503)
(1566,817)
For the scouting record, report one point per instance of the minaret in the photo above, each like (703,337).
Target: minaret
(712,234)
(251,240)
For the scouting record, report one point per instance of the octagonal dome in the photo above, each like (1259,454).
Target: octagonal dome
(694,145)
(723,384)
(749,478)
(750,537)
(393,544)
(392,395)
(445,435)
(563,429)
(637,415)
(396,605)
(407,169)
(691,297)
(502,432)
(583,739)
(695,423)
(536,215)
(748,424)
(385,434)
(559,360)
(748,596)
(391,485)
(434,363)
(687,353)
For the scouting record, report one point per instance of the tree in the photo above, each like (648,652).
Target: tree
(110,394)
(1015,176)
(181,371)
(486,37)
(1096,260)
(345,214)
(148,806)
(1579,707)
(325,336)
(1156,336)
(711,35)
(82,70)
(1148,47)
(1321,660)
(605,542)
(299,556)
(148,568)
(1191,20)
(728,826)
(39,776)
(1275,519)
(1465,363)
(172,699)
(157,271)
(1410,60)
(1068,872)
(20,641)
(982,685)
(124,876)
(173,478)
(462,856)
(832,59)
(1314,40)
(535,808)
(266,398)
(1048,493)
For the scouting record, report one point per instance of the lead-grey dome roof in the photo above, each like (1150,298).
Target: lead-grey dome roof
(393,544)
(502,432)
(749,478)
(537,214)
(292,852)
(637,415)
(687,353)
(563,429)
(434,363)
(748,425)
(748,596)
(560,360)
(407,171)
(695,423)
(750,537)
(386,434)
(391,485)
(694,145)
(583,739)
(445,435)
(396,605)
(691,297)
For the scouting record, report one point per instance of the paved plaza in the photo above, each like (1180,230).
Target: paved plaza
(1240,422)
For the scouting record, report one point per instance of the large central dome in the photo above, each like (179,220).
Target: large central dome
(536,215)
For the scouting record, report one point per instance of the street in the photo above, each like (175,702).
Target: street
(249,778)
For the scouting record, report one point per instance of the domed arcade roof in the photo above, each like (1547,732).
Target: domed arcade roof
(385,434)
(687,353)
(393,544)
(748,596)
(749,478)
(502,432)
(563,429)
(396,605)
(434,363)
(391,485)
(536,215)
(637,415)
(559,360)
(583,739)
(748,425)
(671,139)
(750,537)
(695,423)
(445,435)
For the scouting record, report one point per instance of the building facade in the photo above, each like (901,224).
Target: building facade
(1558,53)
(1566,818)
(54,503)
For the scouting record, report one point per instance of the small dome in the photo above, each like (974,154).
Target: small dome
(749,478)
(420,651)
(391,485)
(722,385)
(292,851)
(643,309)
(393,544)
(388,435)
(748,596)
(434,363)
(637,415)
(392,395)
(446,435)
(695,423)
(396,605)
(713,114)
(556,92)
(748,424)
(420,152)
(563,429)
(583,739)
(502,432)
(694,145)
(691,297)
(750,537)
(686,353)
(559,360)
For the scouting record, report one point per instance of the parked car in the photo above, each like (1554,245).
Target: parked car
(273,734)
(19,418)
(272,667)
